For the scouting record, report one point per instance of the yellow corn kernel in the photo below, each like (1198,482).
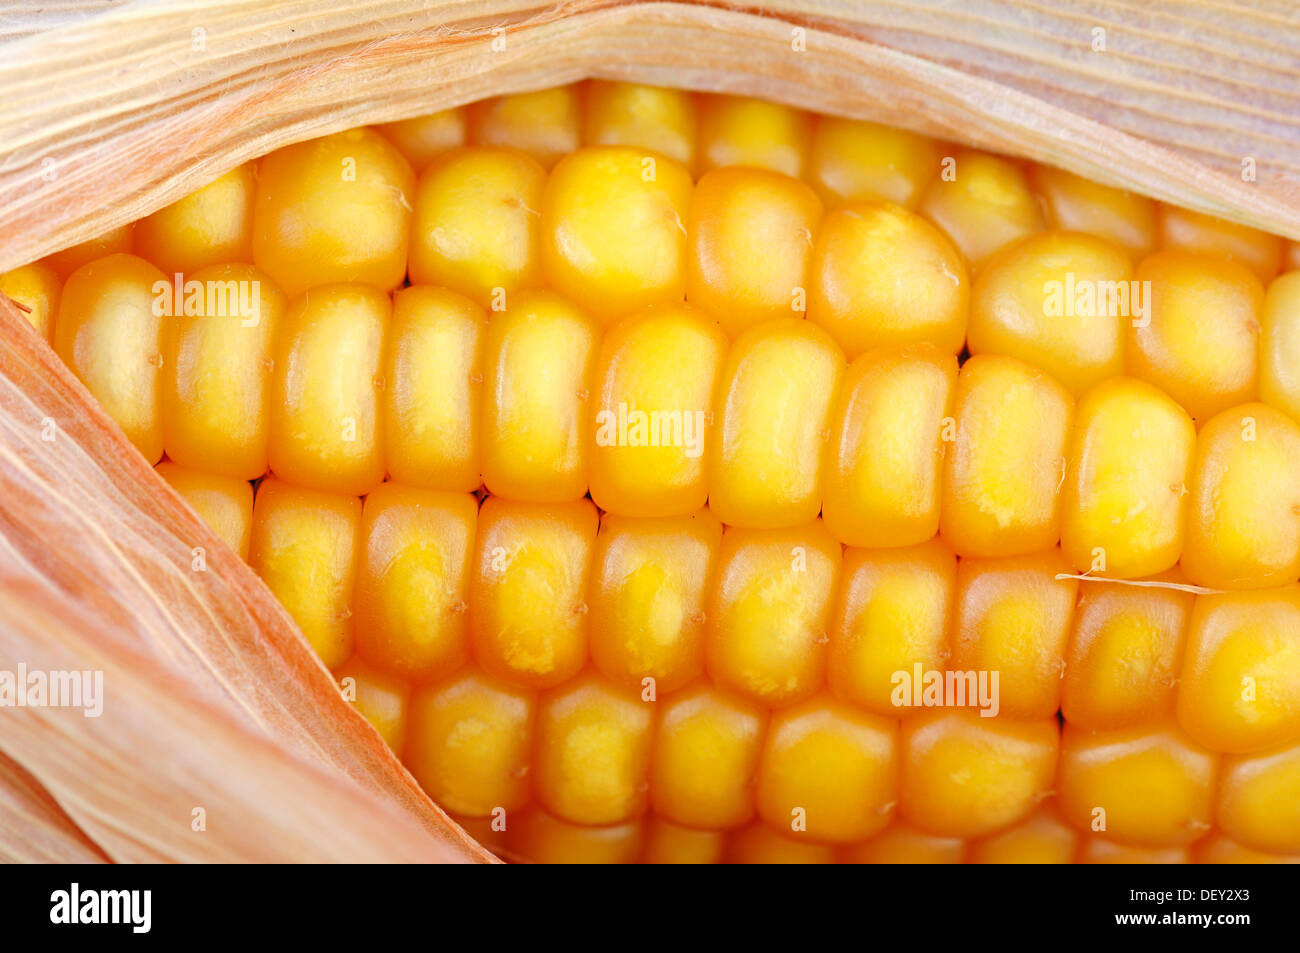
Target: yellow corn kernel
(1076,204)
(902,844)
(117,241)
(433,379)
(828,771)
(412,579)
(706,753)
(1201,234)
(772,414)
(593,752)
(651,419)
(885,453)
(469,740)
(1205,365)
(540,838)
(1279,346)
(1058,301)
(1258,800)
(1240,685)
(528,606)
(892,612)
(736,130)
(759,844)
(982,202)
(1003,473)
(769,612)
(1041,838)
(1012,616)
(1148,785)
(1218,849)
(1243,525)
(224,503)
(217,362)
(109,333)
(648,117)
(613,229)
(853,161)
(210,226)
(546,123)
(539,357)
(1291,256)
(1124,502)
(1124,655)
(325,428)
(968,776)
(750,244)
(647,597)
(334,209)
(669,843)
(421,139)
(304,546)
(477,227)
(380,698)
(35,287)
(1099,850)
(882,276)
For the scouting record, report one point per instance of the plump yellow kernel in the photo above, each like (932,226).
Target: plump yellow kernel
(750,236)
(421,139)
(334,209)
(1059,301)
(656,118)
(982,202)
(1124,501)
(412,579)
(1076,204)
(1240,685)
(224,503)
(36,287)
(1098,850)
(647,597)
(1279,346)
(759,844)
(546,124)
(1003,472)
(1041,838)
(593,751)
(669,843)
(325,429)
(1122,664)
(614,229)
(118,241)
(476,227)
(737,130)
(433,381)
(900,843)
(381,698)
(772,414)
(541,838)
(651,417)
(1243,523)
(304,546)
(882,275)
(1012,616)
(885,453)
(1147,785)
(1258,800)
(210,226)
(892,613)
(828,771)
(707,746)
(854,161)
(1206,365)
(1219,849)
(769,613)
(528,607)
(969,776)
(469,742)
(110,335)
(539,355)
(217,362)
(1200,234)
